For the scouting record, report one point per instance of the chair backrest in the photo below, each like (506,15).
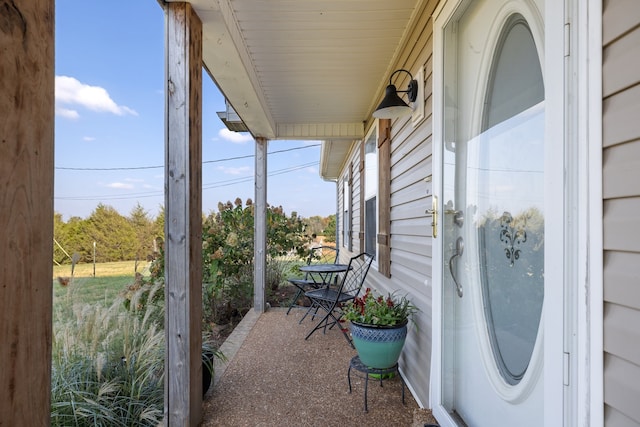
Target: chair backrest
(354,277)
(322,255)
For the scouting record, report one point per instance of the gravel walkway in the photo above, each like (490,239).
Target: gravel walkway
(276,378)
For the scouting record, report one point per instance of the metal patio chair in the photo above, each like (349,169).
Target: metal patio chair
(317,255)
(330,299)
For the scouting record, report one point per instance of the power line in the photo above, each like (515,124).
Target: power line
(210,186)
(162,166)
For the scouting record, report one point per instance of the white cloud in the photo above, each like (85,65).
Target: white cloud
(71,91)
(312,170)
(120,185)
(88,138)
(243,170)
(66,113)
(235,137)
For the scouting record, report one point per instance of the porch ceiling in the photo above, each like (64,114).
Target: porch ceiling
(304,69)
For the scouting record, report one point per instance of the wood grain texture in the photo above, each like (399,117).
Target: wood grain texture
(260,225)
(384,197)
(26,210)
(183,248)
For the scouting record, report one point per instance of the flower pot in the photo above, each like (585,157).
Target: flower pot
(207,370)
(378,346)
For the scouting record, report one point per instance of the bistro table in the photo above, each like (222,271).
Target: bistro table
(325,273)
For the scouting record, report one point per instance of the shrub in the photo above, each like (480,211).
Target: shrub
(107,365)
(228,255)
(228,259)
(108,362)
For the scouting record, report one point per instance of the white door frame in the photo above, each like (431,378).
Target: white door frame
(573,75)
(584,82)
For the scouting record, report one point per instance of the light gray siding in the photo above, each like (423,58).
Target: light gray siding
(410,229)
(621,190)
(352,162)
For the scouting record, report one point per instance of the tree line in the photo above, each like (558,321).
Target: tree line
(116,237)
(132,237)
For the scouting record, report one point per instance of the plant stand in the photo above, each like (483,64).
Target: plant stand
(382,373)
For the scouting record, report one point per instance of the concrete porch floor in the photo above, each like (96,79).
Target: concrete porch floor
(273,377)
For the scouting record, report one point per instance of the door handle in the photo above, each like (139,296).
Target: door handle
(457,253)
(433,213)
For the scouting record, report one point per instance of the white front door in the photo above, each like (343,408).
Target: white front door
(493,213)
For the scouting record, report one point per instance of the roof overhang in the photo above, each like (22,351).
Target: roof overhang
(305,70)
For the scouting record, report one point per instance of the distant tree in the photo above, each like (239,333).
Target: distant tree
(159,223)
(315,225)
(72,237)
(144,229)
(114,235)
(59,255)
(329,231)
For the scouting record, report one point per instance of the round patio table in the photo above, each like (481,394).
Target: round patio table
(325,271)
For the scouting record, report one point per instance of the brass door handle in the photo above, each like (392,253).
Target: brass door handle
(433,213)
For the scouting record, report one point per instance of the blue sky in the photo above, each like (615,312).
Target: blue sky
(110,115)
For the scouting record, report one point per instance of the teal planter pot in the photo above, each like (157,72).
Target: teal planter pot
(378,346)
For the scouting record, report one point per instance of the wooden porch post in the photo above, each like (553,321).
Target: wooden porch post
(26,210)
(260,226)
(183,225)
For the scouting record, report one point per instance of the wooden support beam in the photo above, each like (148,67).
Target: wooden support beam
(183,225)
(260,226)
(384,197)
(26,210)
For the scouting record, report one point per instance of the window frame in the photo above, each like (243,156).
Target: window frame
(347,209)
(372,137)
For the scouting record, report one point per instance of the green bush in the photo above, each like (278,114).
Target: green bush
(228,256)
(228,259)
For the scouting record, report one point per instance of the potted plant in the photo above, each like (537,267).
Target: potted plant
(379,327)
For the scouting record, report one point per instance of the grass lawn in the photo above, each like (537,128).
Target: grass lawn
(111,279)
(103,269)
(94,289)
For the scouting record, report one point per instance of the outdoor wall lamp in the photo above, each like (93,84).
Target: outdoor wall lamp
(392,105)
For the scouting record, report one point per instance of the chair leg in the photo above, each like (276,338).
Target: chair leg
(318,326)
(295,299)
(325,322)
(313,316)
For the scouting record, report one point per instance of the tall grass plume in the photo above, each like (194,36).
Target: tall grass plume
(107,364)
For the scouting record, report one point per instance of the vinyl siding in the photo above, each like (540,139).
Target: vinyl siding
(353,161)
(621,192)
(410,230)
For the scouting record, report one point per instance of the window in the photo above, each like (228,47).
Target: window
(371,193)
(346,212)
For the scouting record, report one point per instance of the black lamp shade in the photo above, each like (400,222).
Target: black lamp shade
(392,105)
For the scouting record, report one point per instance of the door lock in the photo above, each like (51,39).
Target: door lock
(458,217)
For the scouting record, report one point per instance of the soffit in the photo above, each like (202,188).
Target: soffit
(304,69)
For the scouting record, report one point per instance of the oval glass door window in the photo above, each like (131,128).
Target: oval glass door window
(508,159)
